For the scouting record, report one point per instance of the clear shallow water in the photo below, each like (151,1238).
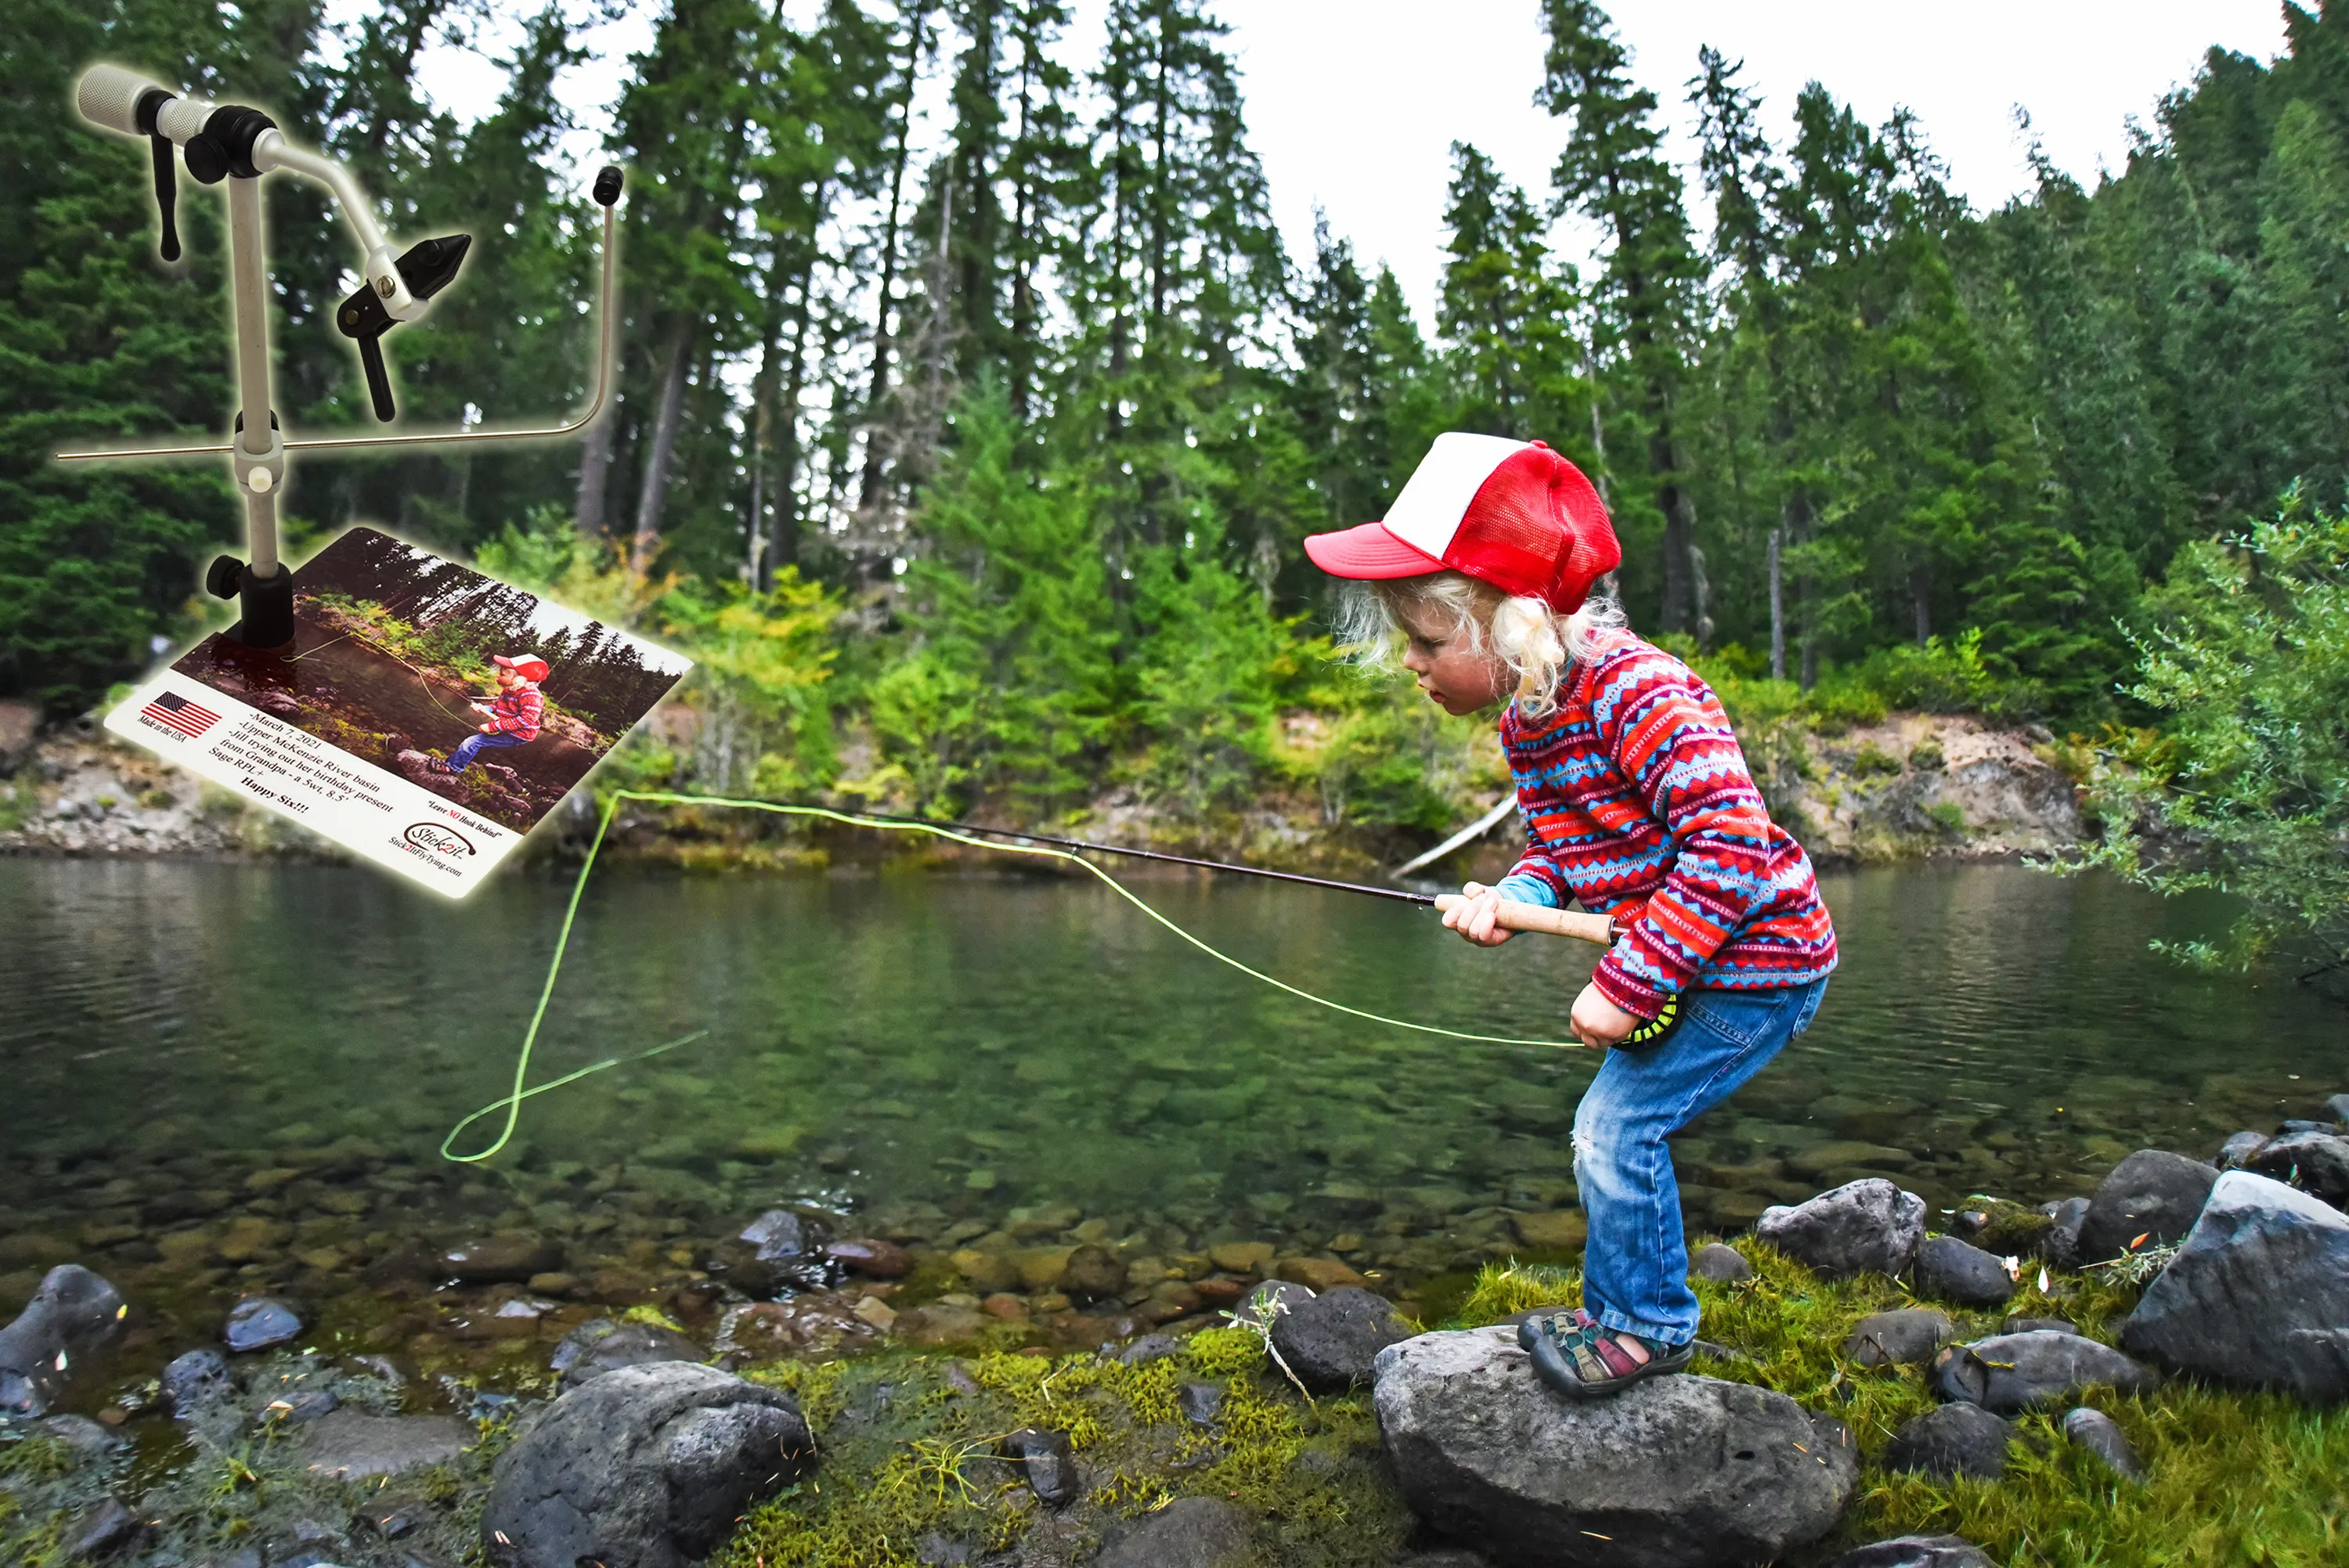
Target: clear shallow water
(958,1048)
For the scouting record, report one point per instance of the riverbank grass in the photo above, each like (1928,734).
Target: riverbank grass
(910,1444)
(2232,1476)
(910,1453)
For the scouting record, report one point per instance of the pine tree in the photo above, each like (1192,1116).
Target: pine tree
(877,518)
(1613,172)
(1745,359)
(1043,172)
(1505,306)
(819,139)
(684,122)
(1333,398)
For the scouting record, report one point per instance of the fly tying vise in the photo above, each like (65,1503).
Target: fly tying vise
(1594,928)
(238,146)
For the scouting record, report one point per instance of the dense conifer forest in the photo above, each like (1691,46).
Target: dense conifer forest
(989,450)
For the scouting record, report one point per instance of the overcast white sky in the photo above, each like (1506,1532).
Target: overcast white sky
(1354,104)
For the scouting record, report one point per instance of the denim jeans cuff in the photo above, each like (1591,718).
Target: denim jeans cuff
(1674,1337)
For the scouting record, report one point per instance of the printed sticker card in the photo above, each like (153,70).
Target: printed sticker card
(425,716)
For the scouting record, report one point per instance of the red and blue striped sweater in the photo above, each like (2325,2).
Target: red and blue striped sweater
(1637,803)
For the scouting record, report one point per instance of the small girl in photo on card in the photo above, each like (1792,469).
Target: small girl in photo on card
(514,717)
(1637,803)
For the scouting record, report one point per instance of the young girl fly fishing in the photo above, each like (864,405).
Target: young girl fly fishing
(1637,803)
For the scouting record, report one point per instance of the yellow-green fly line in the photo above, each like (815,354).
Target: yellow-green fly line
(511,1102)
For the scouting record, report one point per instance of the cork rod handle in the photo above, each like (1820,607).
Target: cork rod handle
(1514,916)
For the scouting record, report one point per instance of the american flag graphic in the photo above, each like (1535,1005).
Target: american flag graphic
(181,715)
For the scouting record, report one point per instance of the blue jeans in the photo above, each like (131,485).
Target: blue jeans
(1635,1266)
(475,744)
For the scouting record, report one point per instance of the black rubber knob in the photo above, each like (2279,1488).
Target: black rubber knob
(224,577)
(607,184)
(207,160)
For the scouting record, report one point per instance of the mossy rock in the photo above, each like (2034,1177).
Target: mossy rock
(2008,1228)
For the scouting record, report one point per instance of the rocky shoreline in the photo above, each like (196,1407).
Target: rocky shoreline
(1049,1392)
(1912,787)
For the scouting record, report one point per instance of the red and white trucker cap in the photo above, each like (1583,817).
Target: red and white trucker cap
(530,667)
(1511,513)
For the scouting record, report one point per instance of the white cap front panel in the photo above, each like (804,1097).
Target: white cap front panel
(1427,513)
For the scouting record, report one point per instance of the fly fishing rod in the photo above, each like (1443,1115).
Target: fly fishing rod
(1512,915)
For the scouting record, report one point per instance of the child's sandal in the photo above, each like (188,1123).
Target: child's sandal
(1536,1327)
(1583,1360)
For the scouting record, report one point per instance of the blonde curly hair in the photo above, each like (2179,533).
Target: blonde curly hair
(1535,642)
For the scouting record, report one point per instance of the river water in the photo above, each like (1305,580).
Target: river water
(194,1049)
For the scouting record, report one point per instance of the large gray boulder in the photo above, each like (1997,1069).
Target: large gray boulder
(2102,1436)
(2009,1373)
(74,1314)
(645,1467)
(510,1257)
(2318,1161)
(1047,1462)
(1331,1341)
(1869,1226)
(779,1251)
(1720,1263)
(2259,1294)
(2152,1193)
(1271,1301)
(1676,1471)
(2240,1148)
(260,1323)
(196,1381)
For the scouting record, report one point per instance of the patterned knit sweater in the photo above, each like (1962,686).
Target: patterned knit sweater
(1638,802)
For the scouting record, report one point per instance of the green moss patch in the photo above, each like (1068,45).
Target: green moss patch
(2232,1477)
(909,1446)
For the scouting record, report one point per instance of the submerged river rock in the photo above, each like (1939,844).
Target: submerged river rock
(72,1317)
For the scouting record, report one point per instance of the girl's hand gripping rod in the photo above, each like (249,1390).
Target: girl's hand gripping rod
(240,145)
(1514,916)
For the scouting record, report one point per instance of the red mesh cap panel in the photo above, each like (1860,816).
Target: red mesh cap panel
(1513,533)
(1592,549)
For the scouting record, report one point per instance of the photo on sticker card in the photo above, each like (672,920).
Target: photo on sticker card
(478,691)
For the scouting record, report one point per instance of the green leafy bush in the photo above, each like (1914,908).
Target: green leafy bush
(2246,650)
